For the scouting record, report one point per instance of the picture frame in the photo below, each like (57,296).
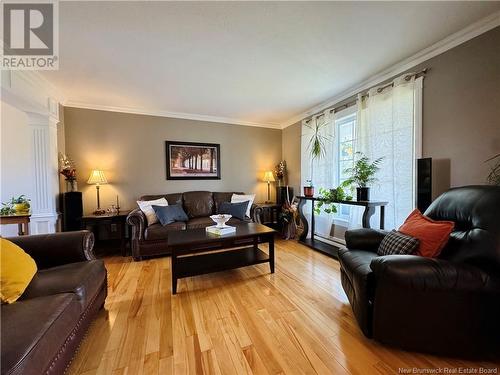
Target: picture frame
(192,160)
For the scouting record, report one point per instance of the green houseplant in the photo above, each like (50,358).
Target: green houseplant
(329,198)
(317,147)
(362,175)
(20,204)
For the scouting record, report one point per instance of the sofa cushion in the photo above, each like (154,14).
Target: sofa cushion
(173,198)
(85,279)
(34,330)
(198,203)
(221,197)
(170,214)
(236,210)
(16,271)
(147,208)
(358,282)
(160,232)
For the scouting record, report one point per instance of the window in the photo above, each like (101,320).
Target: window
(345,125)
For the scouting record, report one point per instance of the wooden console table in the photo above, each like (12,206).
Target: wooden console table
(22,221)
(369,210)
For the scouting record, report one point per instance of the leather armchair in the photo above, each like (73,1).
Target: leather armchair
(447,305)
(42,330)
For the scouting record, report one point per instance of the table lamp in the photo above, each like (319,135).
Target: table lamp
(97,178)
(269,177)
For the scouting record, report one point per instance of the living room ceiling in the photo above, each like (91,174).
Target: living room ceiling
(243,62)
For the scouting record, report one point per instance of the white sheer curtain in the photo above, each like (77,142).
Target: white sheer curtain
(386,128)
(321,171)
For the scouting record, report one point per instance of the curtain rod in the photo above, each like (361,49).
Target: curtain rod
(379,90)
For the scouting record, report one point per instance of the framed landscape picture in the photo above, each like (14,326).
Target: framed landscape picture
(192,161)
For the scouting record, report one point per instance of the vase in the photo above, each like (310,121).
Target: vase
(309,191)
(71,185)
(362,193)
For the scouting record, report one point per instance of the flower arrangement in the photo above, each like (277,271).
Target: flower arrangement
(280,172)
(67,167)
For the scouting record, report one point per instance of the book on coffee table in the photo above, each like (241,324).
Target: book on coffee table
(226,229)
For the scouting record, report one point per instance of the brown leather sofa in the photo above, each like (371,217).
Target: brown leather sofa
(449,305)
(42,330)
(199,205)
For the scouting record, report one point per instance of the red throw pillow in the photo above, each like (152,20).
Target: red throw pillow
(432,234)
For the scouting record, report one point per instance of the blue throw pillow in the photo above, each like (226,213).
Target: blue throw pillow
(237,210)
(170,214)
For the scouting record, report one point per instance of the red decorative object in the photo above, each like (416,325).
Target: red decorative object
(433,235)
(309,191)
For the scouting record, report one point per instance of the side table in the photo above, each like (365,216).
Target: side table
(109,227)
(271,215)
(22,221)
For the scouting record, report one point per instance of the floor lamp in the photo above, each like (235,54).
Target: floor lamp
(97,178)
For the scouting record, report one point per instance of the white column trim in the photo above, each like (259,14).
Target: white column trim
(45,179)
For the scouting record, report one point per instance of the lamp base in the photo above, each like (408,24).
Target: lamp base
(99,212)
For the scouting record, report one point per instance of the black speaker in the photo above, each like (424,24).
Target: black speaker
(424,183)
(281,194)
(72,210)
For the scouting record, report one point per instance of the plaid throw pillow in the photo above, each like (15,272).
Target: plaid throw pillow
(397,243)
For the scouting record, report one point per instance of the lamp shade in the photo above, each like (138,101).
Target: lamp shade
(268,176)
(97,177)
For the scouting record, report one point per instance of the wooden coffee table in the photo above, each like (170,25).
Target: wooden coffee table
(196,252)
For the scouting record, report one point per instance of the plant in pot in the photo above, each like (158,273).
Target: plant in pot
(329,199)
(7,209)
(20,204)
(308,189)
(317,147)
(362,175)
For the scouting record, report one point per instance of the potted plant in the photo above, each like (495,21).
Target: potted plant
(7,209)
(329,199)
(362,175)
(20,204)
(308,189)
(317,147)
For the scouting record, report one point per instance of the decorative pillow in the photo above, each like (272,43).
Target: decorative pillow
(237,198)
(433,235)
(16,271)
(170,214)
(398,243)
(146,207)
(237,210)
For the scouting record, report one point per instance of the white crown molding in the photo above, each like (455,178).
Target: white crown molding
(462,36)
(161,113)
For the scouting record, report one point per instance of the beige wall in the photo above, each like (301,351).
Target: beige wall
(461,113)
(131,150)
(291,153)
(16,158)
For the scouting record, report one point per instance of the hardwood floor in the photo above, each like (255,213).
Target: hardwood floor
(244,321)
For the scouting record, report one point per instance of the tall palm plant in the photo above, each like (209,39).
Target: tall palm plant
(318,141)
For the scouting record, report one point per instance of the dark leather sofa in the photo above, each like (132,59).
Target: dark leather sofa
(42,330)
(199,205)
(449,305)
